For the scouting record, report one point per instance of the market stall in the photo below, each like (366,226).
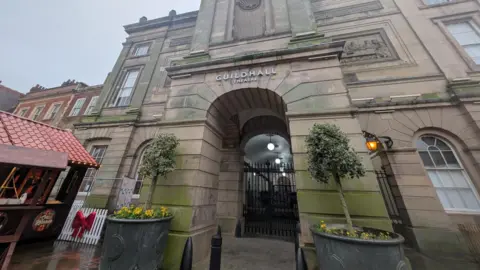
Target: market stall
(32,155)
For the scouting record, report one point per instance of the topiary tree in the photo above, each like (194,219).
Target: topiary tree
(330,157)
(158,160)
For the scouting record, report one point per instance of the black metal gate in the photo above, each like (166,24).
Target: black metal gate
(270,208)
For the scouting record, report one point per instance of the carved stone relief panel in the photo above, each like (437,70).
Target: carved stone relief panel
(249,19)
(367,47)
(249,4)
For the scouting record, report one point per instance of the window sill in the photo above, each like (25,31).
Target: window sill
(463,212)
(425,6)
(82,193)
(137,56)
(118,107)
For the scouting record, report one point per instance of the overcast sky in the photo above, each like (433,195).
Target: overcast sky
(50,41)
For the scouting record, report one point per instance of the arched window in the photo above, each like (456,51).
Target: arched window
(454,188)
(138,177)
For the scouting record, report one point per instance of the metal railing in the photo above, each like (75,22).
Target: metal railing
(471,234)
(389,198)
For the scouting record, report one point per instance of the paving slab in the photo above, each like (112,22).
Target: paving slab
(257,253)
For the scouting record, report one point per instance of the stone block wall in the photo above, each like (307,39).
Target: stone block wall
(190,192)
(230,191)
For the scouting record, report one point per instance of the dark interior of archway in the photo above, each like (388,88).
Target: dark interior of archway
(240,112)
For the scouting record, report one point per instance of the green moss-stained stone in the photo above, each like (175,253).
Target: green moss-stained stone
(111,118)
(228,224)
(174,251)
(306,42)
(360,203)
(377,223)
(366,183)
(169,195)
(96,201)
(430,96)
(182,217)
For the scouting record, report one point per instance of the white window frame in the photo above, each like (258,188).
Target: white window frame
(23,111)
(32,114)
(475,28)
(95,171)
(461,168)
(48,115)
(474,20)
(136,49)
(72,111)
(115,102)
(91,106)
(437,2)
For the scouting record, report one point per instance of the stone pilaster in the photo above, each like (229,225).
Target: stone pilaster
(301,16)
(230,190)
(190,192)
(203,29)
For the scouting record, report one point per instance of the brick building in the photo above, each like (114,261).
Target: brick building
(60,106)
(220,77)
(8,98)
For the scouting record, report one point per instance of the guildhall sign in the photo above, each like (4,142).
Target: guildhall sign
(246,76)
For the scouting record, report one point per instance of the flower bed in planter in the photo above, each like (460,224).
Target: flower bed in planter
(135,239)
(363,249)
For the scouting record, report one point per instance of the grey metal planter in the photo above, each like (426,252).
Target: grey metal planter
(338,252)
(134,244)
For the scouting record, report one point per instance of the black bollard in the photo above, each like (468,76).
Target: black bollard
(238,229)
(216,251)
(301,264)
(297,241)
(187,257)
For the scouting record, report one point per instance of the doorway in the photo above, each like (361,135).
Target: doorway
(271,207)
(257,184)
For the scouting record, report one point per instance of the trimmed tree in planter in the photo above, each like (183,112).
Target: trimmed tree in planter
(330,158)
(136,237)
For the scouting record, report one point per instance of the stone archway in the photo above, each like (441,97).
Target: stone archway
(240,115)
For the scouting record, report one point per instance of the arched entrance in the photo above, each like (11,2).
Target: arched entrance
(251,119)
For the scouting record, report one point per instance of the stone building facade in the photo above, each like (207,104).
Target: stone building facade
(60,106)
(406,69)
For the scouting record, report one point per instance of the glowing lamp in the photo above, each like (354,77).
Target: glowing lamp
(270,146)
(372,145)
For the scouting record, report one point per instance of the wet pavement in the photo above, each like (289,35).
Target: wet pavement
(237,254)
(255,253)
(57,255)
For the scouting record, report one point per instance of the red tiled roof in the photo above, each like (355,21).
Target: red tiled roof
(19,131)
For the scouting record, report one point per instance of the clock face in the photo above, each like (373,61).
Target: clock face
(249,4)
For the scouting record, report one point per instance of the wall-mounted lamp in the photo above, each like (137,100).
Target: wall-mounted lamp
(372,141)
